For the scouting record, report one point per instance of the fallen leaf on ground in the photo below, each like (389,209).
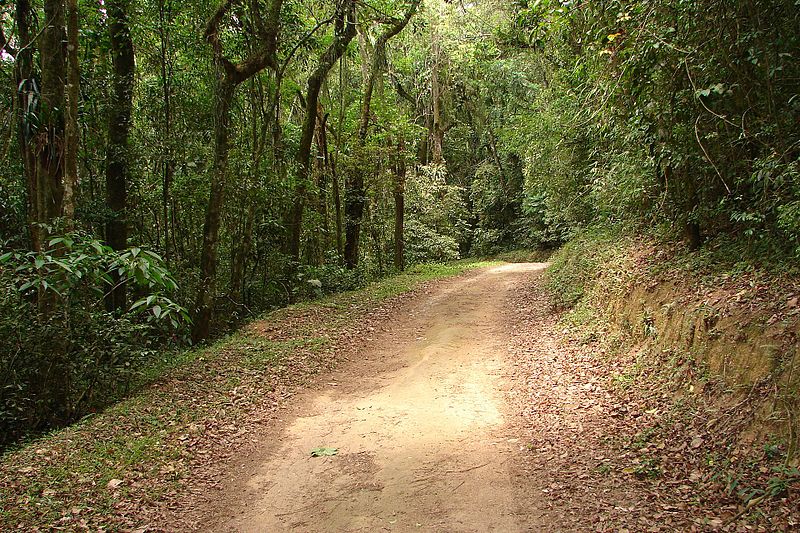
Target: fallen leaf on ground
(324,452)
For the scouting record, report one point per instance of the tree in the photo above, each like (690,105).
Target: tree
(229,75)
(119,127)
(43,124)
(398,192)
(71,126)
(355,195)
(344,31)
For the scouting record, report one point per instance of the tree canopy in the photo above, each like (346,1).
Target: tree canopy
(171,166)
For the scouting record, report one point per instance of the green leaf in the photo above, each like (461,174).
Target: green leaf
(324,452)
(63,265)
(157,311)
(138,303)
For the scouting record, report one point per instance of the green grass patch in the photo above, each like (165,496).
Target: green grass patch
(577,266)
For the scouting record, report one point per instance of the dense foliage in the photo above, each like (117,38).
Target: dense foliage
(271,151)
(677,113)
(62,355)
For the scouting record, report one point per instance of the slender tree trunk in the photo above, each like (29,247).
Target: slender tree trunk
(27,98)
(437,130)
(164,19)
(316,241)
(229,76)
(399,208)
(376,237)
(119,125)
(337,197)
(323,159)
(208,260)
(73,92)
(345,30)
(355,195)
(337,208)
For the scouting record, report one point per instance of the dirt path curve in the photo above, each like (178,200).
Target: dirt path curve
(423,427)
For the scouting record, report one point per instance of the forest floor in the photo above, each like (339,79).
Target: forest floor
(464,410)
(451,405)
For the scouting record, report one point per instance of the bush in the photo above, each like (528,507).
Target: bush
(576,266)
(424,244)
(315,281)
(64,354)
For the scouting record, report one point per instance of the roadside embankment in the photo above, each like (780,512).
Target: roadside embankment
(707,342)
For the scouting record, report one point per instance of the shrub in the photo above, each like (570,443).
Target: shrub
(64,354)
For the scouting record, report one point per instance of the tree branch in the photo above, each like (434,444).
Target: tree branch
(267,31)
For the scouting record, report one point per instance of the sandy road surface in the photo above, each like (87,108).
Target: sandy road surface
(422,425)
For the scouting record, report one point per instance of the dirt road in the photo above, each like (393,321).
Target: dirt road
(422,425)
(468,408)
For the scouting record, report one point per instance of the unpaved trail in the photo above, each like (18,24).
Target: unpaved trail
(423,426)
(467,408)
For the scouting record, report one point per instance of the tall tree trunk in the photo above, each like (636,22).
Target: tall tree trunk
(27,101)
(437,130)
(229,76)
(399,207)
(337,208)
(323,159)
(119,125)
(49,138)
(355,195)
(345,30)
(164,20)
(47,181)
(375,233)
(337,197)
(73,92)
(208,260)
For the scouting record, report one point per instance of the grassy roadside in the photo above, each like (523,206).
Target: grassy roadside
(119,468)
